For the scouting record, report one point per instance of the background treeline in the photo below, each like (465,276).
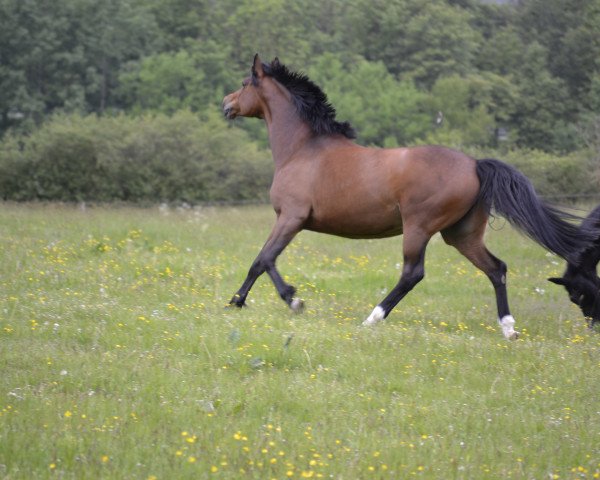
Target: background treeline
(120,99)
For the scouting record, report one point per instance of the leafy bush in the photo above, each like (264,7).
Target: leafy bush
(180,158)
(559,178)
(186,158)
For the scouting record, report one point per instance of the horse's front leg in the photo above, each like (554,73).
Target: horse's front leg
(282,234)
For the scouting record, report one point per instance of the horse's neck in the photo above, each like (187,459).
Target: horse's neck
(591,257)
(587,264)
(288,133)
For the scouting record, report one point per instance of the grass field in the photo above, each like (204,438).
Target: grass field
(119,361)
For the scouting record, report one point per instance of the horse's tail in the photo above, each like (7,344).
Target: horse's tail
(511,195)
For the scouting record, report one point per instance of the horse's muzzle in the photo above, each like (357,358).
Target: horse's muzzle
(229,111)
(228,107)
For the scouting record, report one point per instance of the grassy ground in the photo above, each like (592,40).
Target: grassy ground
(118,359)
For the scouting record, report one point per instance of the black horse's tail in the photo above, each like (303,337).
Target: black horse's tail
(511,195)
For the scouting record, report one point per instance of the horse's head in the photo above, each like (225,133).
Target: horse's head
(247,101)
(272,86)
(584,291)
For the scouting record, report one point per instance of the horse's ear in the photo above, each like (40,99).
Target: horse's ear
(257,68)
(275,63)
(558,281)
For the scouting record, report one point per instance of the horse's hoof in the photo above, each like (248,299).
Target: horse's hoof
(513,336)
(377,315)
(297,305)
(236,301)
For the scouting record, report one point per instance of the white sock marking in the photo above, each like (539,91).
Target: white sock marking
(297,305)
(507,323)
(376,316)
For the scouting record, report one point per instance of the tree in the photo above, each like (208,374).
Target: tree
(190,78)
(66,54)
(40,61)
(114,33)
(415,40)
(383,110)
(570,32)
(464,119)
(182,20)
(271,27)
(502,53)
(543,112)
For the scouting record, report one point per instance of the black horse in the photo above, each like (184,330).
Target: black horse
(580,279)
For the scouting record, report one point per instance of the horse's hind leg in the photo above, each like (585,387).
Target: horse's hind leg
(413,271)
(467,237)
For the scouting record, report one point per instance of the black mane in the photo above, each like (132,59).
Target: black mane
(310,101)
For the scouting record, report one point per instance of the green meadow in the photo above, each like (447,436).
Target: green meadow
(119,360)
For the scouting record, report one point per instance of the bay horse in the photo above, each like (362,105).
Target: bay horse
(580,278)
(325,182)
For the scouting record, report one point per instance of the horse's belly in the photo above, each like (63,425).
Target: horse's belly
(365,225)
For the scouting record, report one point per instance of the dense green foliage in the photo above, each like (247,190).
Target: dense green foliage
(120,362)
(522,74)
(145,159)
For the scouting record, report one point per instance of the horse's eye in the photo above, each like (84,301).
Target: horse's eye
(581,298)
